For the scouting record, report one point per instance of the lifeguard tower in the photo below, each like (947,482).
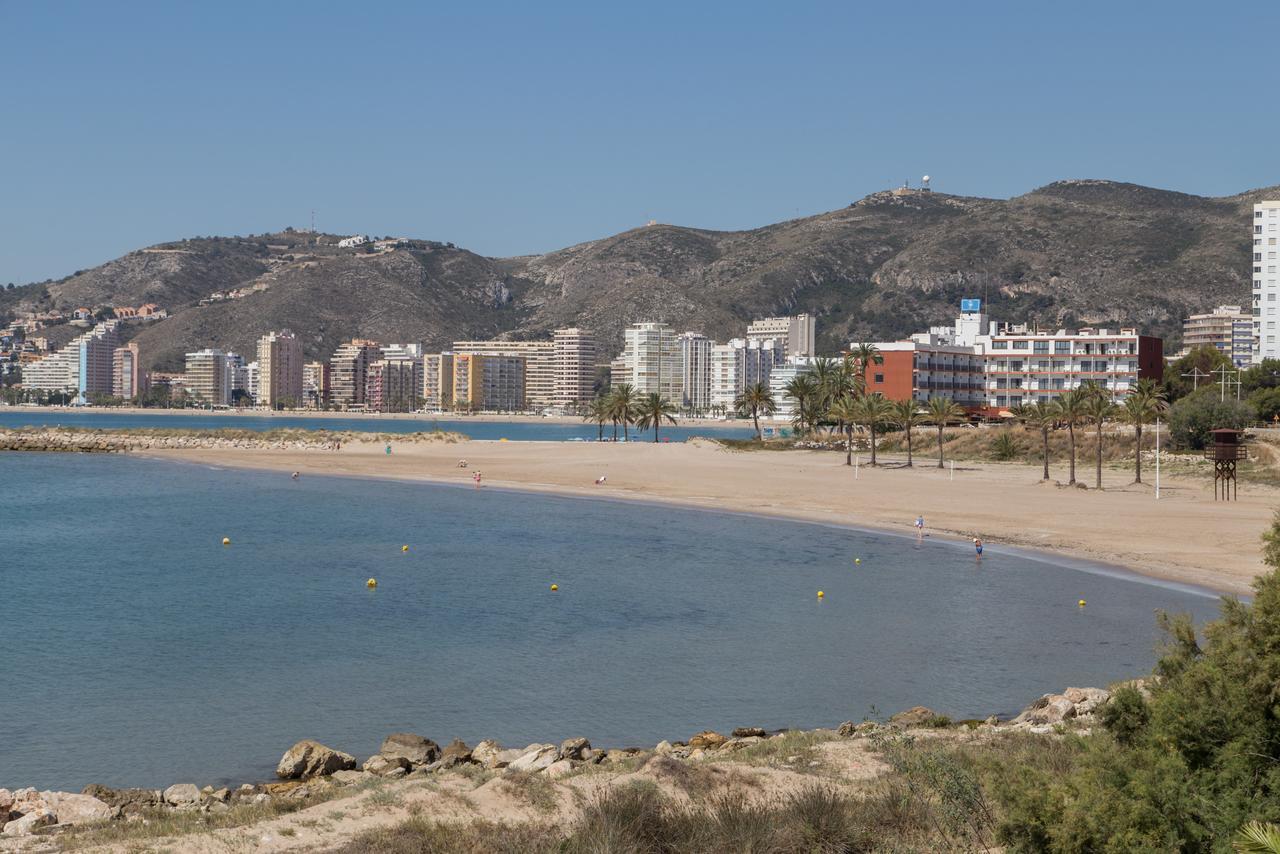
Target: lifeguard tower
(1227,449)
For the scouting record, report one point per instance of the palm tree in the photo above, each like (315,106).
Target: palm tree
(1257,838)
(826,371)
(1144,403)
(942,411)
(865,355)
(1043,417)
(873,411)
(845,411)
(650,410)
(1070,409)
(622,408)
(755,399)
(598,411)
(907,414)
(803,389)
(1098,408)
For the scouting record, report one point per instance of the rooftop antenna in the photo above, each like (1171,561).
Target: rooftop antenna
(313,220)
(924,183)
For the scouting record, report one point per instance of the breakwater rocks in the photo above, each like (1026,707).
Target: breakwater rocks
(310,771)
(70,440)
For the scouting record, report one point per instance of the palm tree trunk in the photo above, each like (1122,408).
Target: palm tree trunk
(908,446)
(755,419)
(1045,432)
(873,443)
(1099,477)
(848,444)
(1137,452)
(615,429)
(599,431)
(940,426)
(1071,433)
(655,429)
(626,435)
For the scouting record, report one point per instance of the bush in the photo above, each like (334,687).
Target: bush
(1125,714)
(1266,403)
(1005,447)
(1192,417)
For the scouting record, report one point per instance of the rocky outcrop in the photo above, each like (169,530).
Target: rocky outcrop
(455,752)
(916,716)
(414,749)
(53,439)
(1077,704)
(707,739)
(381,765)
(308,759)
(26,810)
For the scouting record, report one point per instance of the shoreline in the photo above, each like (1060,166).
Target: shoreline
(1135,550)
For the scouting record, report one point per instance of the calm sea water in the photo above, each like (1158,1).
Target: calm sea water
(140,651)
(515,431)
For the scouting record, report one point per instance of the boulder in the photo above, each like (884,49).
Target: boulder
(127,801)
(221,795)
(707,740)
(6,801)
(506,757)
(536,758)
(28,822)
(1049,709)
(71,808)
(456,751)
(413,748)
(558,769)
(486,753)
(663,748)
(749,732)
(916,716)
(847,729)
(382,765)
(739,743)
(623,754)
(311,758)
(348,778)
(182,795)
(1086,700)
(573,748)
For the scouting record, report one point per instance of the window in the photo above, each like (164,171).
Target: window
(999,345)
(1019,345)
(1271,297)
(1062,346)
(1016,382)
(1001,400)
(1040,347)
(1001,382)
(1257,256)
(1015,364)
(879,378)
(1086,365)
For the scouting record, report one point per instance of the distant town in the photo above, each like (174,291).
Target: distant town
(987,367)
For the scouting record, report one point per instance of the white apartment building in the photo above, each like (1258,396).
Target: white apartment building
(206,374)
(575,359)
(83,367)
(650,361)
(695,361)
(1228,328)
(797,333)
(783,374)
(437,381)
(539,366)
(740,363)
(1265,232)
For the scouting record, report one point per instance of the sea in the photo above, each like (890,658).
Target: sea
(141,651)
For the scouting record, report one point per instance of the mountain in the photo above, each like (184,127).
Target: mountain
(1071,253)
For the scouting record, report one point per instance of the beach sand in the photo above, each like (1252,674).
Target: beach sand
(1185,536)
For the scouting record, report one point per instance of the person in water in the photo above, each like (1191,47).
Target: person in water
(919,527)
(977,547)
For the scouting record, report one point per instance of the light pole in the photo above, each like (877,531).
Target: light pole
(1157,459)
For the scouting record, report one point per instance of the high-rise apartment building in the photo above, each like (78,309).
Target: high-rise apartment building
(539,365)
(1266,281)
(575,360)
(489,383)
(393,385)
(1227,328)
(128,380)
(207,377)
(347,369)
(437,381)
(740,363)
(695,365)
(279,370)
(237,378)
(798,333)
(650,361)
(82,368)
(315,384)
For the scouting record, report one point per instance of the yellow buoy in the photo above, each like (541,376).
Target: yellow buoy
(226,541)
(371,583)
(857,560)
(1082,603)
(404,548)
(555,587)
(821,594)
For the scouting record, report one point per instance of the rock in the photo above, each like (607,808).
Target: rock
(992,721)
(558,769)
(847,729)
(739,743)
(414,748)
(663,748)
(348,778)
(749,732)
(622,754)
(260,799)
(538,757)
(182,795)
(1049,709)
(382,765)
(506,757)
(311,758)
(866,728)
(428,769)
(573,748)
(28,822)
(707,740)
(456,751)
(221,795)
(71,808)
(279,790)
(486,753)
(916,716)
(1086,700)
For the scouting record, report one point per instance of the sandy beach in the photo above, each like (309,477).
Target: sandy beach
(1184,537)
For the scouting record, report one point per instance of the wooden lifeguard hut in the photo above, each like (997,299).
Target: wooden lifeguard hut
(1227,449)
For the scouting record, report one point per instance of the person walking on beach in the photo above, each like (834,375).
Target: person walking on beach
(919,528)
(476,478)
(977,548)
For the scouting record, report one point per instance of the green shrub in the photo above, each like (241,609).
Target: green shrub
(1004,447)
(1192,417)
(1125,714)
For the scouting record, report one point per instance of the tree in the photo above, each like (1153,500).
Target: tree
(872,411)
(864,355)
(846,411)
(941,411)
(597,411)
(1205,359)
(1266,403)
(650,410)
(907,414)
(1070,409)
(1192,417)
(804,391)
(1144,403)
(755,399)
(1098,409)
(1039,416)
(1265,374)
(622,407)
(1258,838)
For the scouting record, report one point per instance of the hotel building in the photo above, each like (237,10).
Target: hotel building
(83,367)
(539,365)
(347,368)
(128,380)
(279,370)
(393,385)
(740,363)
(1265,233)
(206,375)
(798,333)
(1227,328)
(923,369)
(437,381)
(315,384)
(650,361)
(696,371)
(488,383)
(575,360)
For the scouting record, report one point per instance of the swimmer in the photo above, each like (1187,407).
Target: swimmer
(977,547)
(919,527)
(294,475)
(476,478)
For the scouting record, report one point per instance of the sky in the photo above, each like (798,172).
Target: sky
(517,128)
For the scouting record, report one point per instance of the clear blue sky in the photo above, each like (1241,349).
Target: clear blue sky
(524,127)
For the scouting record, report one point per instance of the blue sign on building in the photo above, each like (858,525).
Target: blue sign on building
(970,306)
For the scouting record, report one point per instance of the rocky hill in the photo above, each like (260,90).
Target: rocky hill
(1073,252)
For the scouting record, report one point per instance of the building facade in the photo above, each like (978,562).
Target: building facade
(650,361)
(347,369)
(575,358)
(393,385)
(128,380)
(1264,234)
(1228,328)
(279,370)
(922,370)
(488,383)
(315,385)
(798,334)
(740,363)
(206,375)
(695,367)
(437,381)
(539,365)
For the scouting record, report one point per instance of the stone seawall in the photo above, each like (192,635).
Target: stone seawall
(66,440)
